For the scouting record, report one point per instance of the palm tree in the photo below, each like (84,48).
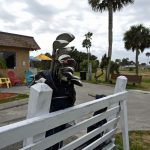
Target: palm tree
(111,6)
(148,55)
(137,38)
(87,44)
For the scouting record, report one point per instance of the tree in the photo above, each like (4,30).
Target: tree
(79,57)
(87,44)
(143,64)
(84,64)
(104,64)
(111,6)
(137,38)
(125,62)
(118,61)
(148,55)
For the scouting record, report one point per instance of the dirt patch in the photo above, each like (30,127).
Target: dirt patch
(7,95)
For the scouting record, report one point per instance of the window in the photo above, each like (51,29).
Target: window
(10,59)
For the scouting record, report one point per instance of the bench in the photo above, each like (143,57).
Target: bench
(39,120)
(131,78)
(5,81)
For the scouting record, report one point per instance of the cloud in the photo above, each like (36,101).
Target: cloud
(142,9)
(48,18)
(5,16)
(23,26)
(39,11)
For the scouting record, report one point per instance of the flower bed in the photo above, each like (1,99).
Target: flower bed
(7,95)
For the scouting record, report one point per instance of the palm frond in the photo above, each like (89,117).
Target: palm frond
(102,5)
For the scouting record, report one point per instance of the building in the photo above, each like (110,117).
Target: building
(14,49)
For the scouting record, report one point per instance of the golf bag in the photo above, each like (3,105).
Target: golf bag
(64,95)
(61,79)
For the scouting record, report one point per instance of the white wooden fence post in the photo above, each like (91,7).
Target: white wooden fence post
(39,104)
(120,84)
(120,87)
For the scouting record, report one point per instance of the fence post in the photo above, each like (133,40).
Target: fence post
(120,87)
(120,84)
(39,104)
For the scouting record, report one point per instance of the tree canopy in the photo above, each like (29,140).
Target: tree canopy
(80,57)
(103,5)
(137,38)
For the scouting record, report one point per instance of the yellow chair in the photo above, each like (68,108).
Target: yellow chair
(5,81)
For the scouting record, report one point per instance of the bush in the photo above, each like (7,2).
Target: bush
(2,63)
(84,65)
(131,69)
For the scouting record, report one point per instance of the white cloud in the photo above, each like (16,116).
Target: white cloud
(47,18)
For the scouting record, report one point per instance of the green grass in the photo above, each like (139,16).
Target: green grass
(144,85)
(18,97)
(138,140)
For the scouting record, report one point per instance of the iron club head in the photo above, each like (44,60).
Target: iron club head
(66,36)
(77,82)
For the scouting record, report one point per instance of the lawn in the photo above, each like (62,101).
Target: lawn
(144,85)
(138,140)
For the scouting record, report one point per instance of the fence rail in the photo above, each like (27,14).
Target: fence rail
(39,121)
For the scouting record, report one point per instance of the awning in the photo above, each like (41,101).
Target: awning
(43,57)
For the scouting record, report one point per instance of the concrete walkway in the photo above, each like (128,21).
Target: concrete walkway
(138,104)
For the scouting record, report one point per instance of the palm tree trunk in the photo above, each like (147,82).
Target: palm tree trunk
(88,55)
(137,62)
(110,37)
(89,65)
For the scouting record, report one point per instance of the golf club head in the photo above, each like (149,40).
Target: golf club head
(69,75)
(68,49)
(65,50)
(66,36)
(58,44)
(77,82)
(66,61)
(75,77)
(62,57)
(68,69)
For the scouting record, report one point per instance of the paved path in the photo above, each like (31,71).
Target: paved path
(138,104)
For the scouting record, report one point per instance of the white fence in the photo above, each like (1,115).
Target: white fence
(32,130)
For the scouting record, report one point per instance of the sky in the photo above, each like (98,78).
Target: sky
(46,19)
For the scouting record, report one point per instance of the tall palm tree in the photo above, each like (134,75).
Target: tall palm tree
(87,44)
(111,6)
(148,55)
(137,38)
